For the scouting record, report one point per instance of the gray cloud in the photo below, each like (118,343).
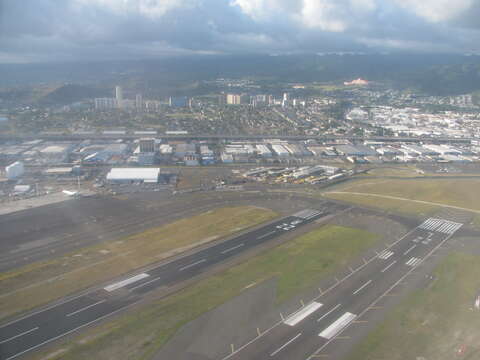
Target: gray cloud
(49,30)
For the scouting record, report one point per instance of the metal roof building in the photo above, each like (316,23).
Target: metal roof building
(147,175)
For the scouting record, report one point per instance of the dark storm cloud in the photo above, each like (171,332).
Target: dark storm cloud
(45,30)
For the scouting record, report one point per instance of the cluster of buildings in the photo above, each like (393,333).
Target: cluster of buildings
(119,102)
(275,151)
(148,151)
(259,100)
(314,174)
(139,104)
(413,122)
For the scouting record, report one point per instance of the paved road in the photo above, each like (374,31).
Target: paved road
(307,333)
(37,329)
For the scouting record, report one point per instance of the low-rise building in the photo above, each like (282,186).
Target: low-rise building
(133,175)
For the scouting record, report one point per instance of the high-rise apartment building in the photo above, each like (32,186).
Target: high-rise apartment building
(105,103)
(139,102)
(119,96)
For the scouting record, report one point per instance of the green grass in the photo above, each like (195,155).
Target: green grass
(397,206)
(457,192)
(461,193)
(395,171)
(298,265)
(29,286)
(432,323)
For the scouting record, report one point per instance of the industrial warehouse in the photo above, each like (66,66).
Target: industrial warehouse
(133,175)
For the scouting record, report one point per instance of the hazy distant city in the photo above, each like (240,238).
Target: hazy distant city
(239,180)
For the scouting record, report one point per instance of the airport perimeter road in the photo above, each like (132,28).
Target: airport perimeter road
(307,332)
(39,328)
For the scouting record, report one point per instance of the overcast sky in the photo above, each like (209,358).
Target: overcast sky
(64,30)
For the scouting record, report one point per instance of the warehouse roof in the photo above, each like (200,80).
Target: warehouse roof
(134,174)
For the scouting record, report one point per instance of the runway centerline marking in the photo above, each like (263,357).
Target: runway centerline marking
(362,287)
(191,265)
(144,284)
(328,313)
(231,249)
(286,344)
(389,266)
(19,335)
(384,294)
(70,331)
(411,248)
(86,307)
(265,235)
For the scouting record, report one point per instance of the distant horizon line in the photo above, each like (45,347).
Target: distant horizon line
(232,55)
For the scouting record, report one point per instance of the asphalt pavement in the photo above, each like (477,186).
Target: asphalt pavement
(306,333)
(39,328)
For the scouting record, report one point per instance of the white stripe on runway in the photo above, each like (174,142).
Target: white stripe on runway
(389,266)
(17,336)
(298,316)
(125,282)
(328,313)
(144,284)
(265,235)
(384,255)
(450,228)
(313,215)
(191,265)
(435,224)
(426,223)
(341,323)
(285,345)
(413,261)
(86,307)
(444,227)
(362,287)
(231,249)
(417,262)
(411,248)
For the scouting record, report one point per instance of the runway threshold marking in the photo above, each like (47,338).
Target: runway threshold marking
(337,326)
(286,344)
(192,265)
(385,254)
(389,266)
(86,307)
(19,335)
(328,313)
(398,282)
(303,313)
(125,282)
(231,249)
(413,262)
(362,287)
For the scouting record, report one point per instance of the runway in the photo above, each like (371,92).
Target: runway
(39,328)
(308,332)
(52,230)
